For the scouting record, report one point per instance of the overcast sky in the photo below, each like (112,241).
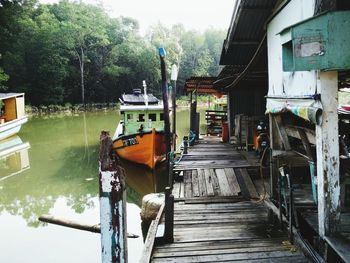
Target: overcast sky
(193,14)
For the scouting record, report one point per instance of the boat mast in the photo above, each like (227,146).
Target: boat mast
(145,92)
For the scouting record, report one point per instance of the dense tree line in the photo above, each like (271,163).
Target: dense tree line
(54,52)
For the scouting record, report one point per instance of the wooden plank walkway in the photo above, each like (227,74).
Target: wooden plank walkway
(217,215)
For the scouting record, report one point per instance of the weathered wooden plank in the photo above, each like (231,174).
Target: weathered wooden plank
(182,190)
(298,258)
(213,199)
(341,246)
(232,181)
(212,145)
(219,235)
(151,236)
(214,223)
(220,227)
(215,183)
(292,131)
(208,182)
(201,183)
(220,244)
(215,216)
(212,211)
(212,162)
(242,164)
(202,157)
(176,189)
(209,208)
(211,153)
(242,203)
(188,183)
(219,220)
(217,251)
(249,183)
(195,183)
(232,257)
(282,132)
(223,183)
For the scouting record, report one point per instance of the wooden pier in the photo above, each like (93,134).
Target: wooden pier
(218,214)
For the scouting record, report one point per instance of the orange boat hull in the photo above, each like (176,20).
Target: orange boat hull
(147,148)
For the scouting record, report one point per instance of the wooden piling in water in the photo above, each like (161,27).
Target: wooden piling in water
(165,100)
(112,203)
(169,216)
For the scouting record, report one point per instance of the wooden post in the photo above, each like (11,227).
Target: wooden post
(195,111)
(169,216)
(229,117)
(275,144)
(197,125)
(191,112)
(165,101)
(327,150)
(112,204)
(192,121)
(174,115)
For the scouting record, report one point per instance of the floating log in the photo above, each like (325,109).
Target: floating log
(74,224)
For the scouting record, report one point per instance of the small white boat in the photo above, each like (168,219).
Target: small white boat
(14,157)
(12,114)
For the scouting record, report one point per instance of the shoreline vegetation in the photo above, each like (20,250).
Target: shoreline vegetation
(73,52)
(181,103)
(69,109)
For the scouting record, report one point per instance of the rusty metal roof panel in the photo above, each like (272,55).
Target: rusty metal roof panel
(203,85)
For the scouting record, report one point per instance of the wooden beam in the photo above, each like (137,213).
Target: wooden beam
(327,149)
(151,236)
(306,144)
(292,131)
(275,140)
(282,132)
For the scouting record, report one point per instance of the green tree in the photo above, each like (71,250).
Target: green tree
(74,52)
(84,28)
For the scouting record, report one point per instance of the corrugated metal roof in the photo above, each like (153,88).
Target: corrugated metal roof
(139,98)
(203,85)
(246,31)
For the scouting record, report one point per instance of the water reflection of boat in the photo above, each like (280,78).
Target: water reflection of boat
(12,114)
(139,136)
(14,157)
(141,181)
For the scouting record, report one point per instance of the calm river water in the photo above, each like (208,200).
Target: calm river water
(54,171)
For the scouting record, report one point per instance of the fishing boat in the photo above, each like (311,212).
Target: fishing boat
(139,136)
(12,114)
